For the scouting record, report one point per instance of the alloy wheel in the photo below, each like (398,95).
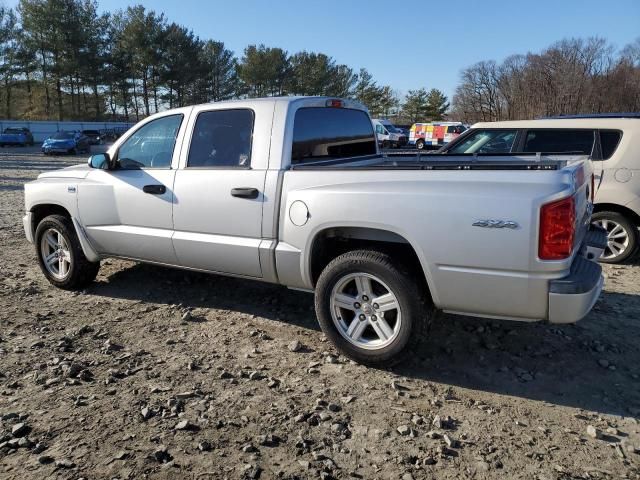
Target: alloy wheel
(55,253)
(365,311)
(617,238)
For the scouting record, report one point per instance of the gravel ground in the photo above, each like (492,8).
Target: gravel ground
(158,373)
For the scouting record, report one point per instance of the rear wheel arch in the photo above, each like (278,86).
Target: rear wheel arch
(332,242)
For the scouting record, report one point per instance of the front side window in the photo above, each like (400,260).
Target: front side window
(324,133)
(559,141)
(609,141)
(486,141)
(222,138)
(151,146)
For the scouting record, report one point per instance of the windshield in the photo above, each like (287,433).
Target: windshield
(63,136)
(13,130)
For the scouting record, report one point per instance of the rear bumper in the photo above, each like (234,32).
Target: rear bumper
(572,297)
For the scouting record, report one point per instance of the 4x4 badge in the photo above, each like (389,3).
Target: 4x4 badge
(496,224)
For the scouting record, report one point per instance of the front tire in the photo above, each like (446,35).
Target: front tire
(420,144)
(372,311)
(622,236)
(60,254)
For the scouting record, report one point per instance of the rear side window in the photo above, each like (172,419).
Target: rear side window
(322,133)
(222,138)
(609,141)
(486,141)
(559,141)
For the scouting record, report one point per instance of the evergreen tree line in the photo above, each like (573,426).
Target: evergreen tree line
(572,76)
(63,60)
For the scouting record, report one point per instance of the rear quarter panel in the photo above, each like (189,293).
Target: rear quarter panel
(484,271)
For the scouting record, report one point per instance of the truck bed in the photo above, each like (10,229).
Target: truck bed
(418,161)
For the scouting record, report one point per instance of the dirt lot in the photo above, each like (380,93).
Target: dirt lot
(158,373)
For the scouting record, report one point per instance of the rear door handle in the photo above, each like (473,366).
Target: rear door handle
(154,189)
(245,192)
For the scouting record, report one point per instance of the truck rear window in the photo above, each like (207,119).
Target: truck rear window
(324,133)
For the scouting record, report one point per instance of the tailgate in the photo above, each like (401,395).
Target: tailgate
(583,178)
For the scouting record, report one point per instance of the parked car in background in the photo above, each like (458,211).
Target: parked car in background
(94,136)
(612,140)
(388,135)
(294,191)
(66,142)
(434,135)
(16,136)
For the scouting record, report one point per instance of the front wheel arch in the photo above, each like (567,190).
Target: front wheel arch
(38,212)
(56,238)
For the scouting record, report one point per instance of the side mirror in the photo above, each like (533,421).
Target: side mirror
(100,161)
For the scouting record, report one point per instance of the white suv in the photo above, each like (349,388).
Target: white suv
(612,140)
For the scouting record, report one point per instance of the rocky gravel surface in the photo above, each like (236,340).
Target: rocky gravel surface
(159,373)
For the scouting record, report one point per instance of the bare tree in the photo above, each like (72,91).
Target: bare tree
(571,76)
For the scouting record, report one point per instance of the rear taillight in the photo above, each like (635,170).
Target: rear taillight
(557,229)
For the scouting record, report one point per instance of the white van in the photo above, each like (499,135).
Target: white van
(388,135)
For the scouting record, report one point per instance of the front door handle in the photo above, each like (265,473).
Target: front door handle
(245,192)
(154,189)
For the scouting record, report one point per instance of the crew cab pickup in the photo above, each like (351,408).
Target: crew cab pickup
(294,191)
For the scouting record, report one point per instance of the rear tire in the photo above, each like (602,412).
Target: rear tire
(377,333)
(68,268)
(420,144)
(622,236)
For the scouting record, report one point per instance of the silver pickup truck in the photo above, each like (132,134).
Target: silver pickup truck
(294,191)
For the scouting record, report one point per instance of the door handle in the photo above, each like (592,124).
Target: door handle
(154,189)
(245,192)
